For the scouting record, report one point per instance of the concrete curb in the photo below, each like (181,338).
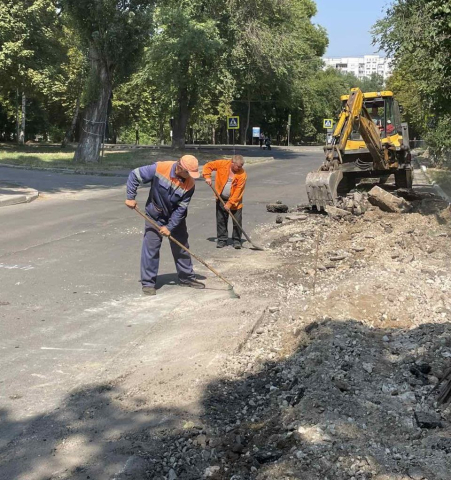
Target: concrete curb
(28,195)
(101,173)
(436,186)
(104,173)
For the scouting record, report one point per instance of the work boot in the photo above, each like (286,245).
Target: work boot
(193,283)
(221,245)
(149,291)
(237,246)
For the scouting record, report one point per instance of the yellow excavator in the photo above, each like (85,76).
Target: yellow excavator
(369,141)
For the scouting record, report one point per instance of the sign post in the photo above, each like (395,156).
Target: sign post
(233,123)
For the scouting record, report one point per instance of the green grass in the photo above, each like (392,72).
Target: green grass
(442,177)
(55,157)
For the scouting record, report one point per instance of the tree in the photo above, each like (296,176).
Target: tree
(114,33)
(274,45)
(186,57)
(417,33)
(30,53)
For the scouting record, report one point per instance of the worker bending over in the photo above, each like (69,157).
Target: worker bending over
(169,197)
(230,182)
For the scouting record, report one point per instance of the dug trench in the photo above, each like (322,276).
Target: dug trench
(334,379)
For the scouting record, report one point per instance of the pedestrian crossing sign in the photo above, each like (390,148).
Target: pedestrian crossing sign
(328,123)
(233,123)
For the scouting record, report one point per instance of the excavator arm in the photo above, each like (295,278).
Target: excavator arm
(322,185)
(355,114)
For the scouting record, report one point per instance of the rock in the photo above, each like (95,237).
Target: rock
(336,213)
(172,475)
(296,217)
(387,202)
(368,367)
(267,456)
(341,385)
(279,219)
(273,309)
(210,472)
(337,258)
(277,208)
(427,420)
(300,455)
(385,339)
(407,397)
(295,239)
(358,249)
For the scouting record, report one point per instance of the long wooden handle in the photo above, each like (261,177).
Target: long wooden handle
(235,221)
(155,224)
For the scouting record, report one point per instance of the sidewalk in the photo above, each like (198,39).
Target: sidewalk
(12,194)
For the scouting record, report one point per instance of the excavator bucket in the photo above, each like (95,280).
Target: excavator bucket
(322,188)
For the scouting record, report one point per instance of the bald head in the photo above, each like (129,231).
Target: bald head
(237,163)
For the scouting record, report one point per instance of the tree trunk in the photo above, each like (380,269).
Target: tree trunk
(248,116)
(181,119)
(23,119)
(94,122)
(213,135)
(69,136)
(17,117)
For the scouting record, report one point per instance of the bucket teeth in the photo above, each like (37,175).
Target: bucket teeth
(322,188)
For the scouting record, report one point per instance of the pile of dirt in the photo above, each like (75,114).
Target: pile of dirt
(338,378)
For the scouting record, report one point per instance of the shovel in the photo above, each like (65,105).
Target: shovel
(235,221)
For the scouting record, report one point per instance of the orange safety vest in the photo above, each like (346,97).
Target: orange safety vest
(222,169)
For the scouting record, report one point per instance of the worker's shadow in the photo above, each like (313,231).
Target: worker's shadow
(172,279)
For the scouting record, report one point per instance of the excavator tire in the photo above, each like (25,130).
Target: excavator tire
(404,178)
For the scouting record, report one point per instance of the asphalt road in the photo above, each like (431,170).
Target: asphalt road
(69,276)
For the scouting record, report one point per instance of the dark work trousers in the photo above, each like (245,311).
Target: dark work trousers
(150,254)
(222,220)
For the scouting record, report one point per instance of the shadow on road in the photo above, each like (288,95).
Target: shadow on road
(341,405)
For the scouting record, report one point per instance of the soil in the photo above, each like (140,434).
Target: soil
(338,377)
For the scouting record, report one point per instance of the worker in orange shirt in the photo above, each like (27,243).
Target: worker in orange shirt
(230,182)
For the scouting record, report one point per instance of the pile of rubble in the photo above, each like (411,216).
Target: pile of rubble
(340,377)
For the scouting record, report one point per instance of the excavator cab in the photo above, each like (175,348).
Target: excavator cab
(385,114)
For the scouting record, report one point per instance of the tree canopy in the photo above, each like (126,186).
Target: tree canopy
(417,33)
(139,70)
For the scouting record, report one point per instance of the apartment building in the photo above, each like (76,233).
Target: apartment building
(361,66)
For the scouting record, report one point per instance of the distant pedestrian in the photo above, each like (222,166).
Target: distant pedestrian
(261,139)
(268,143)
(230,182)
(169,197)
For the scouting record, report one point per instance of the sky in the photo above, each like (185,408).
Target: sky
(348,24)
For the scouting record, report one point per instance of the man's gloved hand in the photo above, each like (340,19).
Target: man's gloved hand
(165,232)
(208,181)
(130,203)
(227,206)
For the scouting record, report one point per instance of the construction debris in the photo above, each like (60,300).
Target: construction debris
(388,202)
(277,207)
(296,216)
(335,212)
(340,376)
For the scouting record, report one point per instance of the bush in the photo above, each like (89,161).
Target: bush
(438,140)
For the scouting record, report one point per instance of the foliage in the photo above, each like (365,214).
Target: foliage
(417,33)
(30,36)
